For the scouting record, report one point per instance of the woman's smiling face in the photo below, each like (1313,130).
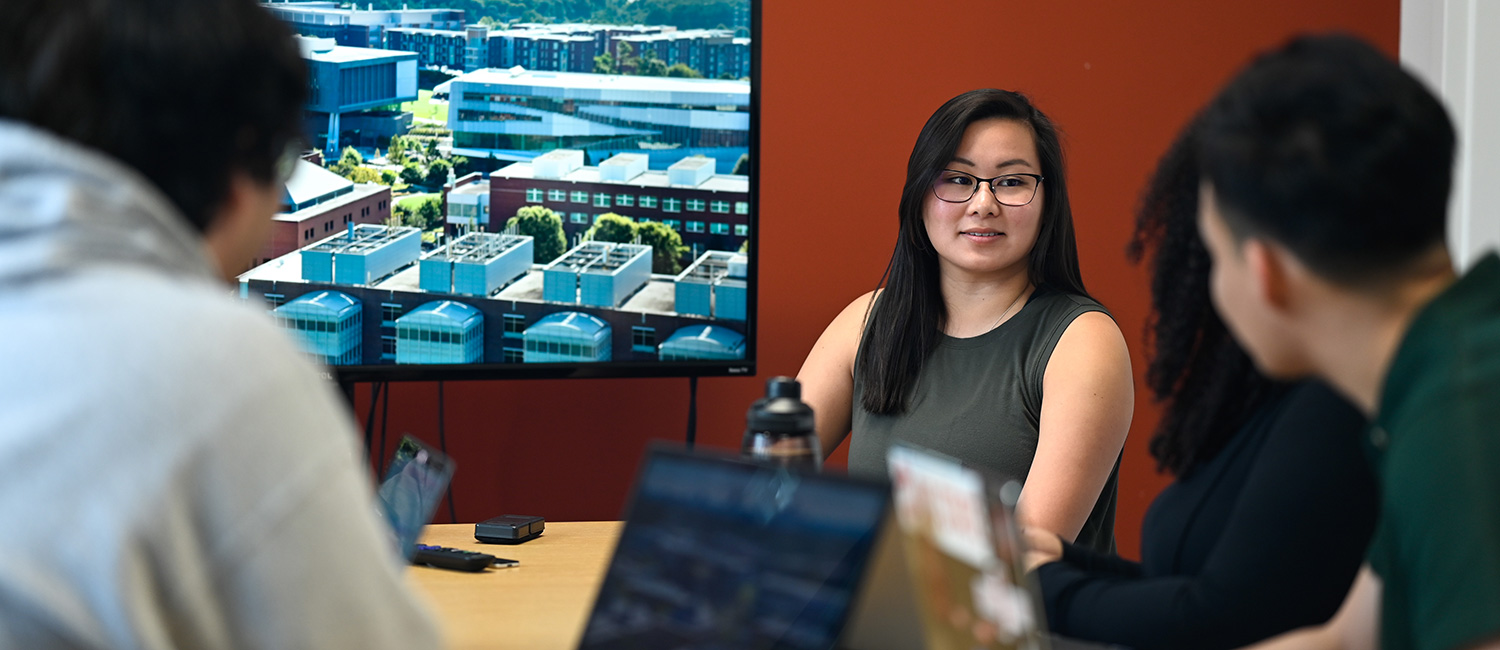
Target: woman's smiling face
(981,236)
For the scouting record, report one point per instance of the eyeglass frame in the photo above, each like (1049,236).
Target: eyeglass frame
(989,182)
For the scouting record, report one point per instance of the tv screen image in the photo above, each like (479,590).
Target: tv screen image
(611,233)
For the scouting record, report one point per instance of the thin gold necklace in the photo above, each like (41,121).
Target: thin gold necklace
(1010,307)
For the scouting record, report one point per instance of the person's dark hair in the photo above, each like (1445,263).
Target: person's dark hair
(1329,148)
(906,322)
(1206,382)
(187,92)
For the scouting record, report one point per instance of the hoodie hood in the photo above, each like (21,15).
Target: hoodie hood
(64,207)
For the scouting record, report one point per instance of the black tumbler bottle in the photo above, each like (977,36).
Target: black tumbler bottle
(779,428)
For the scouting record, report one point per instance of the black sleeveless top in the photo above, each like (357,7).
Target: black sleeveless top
(980,400)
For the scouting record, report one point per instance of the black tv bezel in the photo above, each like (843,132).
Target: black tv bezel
(745,367)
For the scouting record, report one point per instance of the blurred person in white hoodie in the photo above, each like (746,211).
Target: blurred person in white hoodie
(173,473)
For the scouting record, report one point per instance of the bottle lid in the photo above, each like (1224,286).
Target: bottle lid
(783,387)
(781,410)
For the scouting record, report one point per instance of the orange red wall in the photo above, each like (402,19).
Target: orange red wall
(846,85)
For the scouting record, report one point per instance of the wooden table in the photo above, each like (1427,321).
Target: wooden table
(541,604)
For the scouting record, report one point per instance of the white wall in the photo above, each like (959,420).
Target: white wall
(1454,45)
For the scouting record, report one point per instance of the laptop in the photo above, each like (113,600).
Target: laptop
(416,479)
(717,552)
(964,559)
(964,550)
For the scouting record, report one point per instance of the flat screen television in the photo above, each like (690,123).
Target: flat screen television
(611,231)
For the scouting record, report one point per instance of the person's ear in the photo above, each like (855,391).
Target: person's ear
(1270,274)
(241,223)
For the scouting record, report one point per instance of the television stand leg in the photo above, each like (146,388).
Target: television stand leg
(692,423)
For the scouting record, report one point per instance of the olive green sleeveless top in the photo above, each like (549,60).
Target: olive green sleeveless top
(980,400)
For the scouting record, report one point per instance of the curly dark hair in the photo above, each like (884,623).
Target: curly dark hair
(1207,383)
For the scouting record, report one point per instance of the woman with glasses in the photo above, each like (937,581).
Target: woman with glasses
(982,343)
(1274,503)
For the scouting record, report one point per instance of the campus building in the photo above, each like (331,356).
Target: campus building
(567,336)
(435,48)
(711,211)
(696,342)
(319,203)
(476,264)
(543,50)
(355,27)
(604,36)
(601,274)
(713,53)
(347,80)
(468,204)
(556,48)
(518,113)
(441,331)
(361,256)
(449,50)
(714,286)
(370,296)
(327,324)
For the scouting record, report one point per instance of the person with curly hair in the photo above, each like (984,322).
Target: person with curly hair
(1261,468)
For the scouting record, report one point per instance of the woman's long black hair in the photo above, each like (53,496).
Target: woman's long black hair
(905,324)
(1207,383)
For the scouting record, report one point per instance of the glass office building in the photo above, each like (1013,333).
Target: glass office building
(697,342)
(441,331)
(327,324)
(567,336)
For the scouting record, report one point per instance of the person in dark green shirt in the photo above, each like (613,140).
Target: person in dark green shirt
(1326,170)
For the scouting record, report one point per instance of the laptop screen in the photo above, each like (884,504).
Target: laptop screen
(415,482)
(720,553)
(964,553)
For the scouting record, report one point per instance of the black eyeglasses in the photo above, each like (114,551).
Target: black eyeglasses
(1014,190)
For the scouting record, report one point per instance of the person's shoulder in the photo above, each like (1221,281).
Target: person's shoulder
(196,327)
(1316,396)
(1068,302)
(856,314)
(1308,416)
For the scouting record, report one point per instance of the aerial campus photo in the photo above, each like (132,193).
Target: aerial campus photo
(499,182)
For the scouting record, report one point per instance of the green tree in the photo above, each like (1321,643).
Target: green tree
(431,150)
(612,227)
(387,177)
(546,230)
(429,213)
(604,64)
(349,160)
(396,152)
(411,174)
(682,70)
(462,166)
(651,66)
(666,246)
(363,175)
(742,166)
(401,214)
(437,172)
(628,63)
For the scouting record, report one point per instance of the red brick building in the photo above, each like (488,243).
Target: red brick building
(710,210)
(319,203)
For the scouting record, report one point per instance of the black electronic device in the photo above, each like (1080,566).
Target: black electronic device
(457,559)
(509,529)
